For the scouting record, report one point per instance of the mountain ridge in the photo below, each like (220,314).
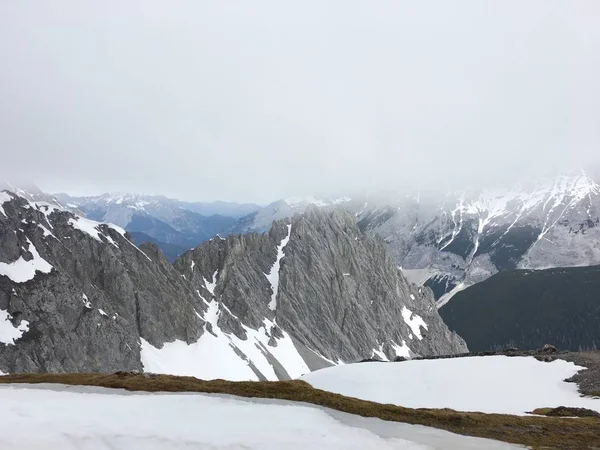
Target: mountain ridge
(78,295)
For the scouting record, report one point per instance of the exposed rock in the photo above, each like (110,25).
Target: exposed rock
(339,292)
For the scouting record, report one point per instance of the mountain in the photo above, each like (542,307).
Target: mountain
(452,241)
(463,239)
(261,219)
(529,308)
(336,291)
(166,222)
(78,296)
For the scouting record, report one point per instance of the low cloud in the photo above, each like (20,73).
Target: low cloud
(252,101)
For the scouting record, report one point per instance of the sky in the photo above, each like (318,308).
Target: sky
(254,101)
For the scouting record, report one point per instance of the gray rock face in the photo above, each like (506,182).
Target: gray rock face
(77,295)
(101,295)
(339,292)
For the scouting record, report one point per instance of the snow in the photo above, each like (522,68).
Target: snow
(414,321)
(58,417)
(122,232)
(86,302)
(90,227)
(285,352)
(87,226)
(273,275)
(192,265)
(210,285)
(379,353)
(299,201)
(4,197)
(46,231)
(2,373)
(213,355)
(417,276)
(8,332)
(102,313)
(402,350)
(21,271)
(496,384)
(448,295)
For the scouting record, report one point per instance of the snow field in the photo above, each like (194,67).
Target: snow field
(59,417)
(490,384)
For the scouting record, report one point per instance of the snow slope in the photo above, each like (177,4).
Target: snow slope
(223,355)
(273,275)
(58,417)
(491,384)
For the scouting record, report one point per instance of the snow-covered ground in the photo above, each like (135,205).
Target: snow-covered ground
(492,384)
(59,417)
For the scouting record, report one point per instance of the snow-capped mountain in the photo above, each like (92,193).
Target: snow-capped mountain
(468,236)
(262,219)
(175,226)
(78,295)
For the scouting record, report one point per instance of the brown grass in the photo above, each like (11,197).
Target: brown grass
(536,432)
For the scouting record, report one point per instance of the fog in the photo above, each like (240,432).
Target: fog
(253,101)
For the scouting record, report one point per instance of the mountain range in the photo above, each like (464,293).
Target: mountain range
(78,295)
(446,242)
(175,226)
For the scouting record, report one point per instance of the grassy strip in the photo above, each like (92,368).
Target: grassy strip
(536,432)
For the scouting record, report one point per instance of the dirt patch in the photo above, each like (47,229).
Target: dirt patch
(564,411)
(536,432)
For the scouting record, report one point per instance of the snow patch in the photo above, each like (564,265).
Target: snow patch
(21,271)
(448,295)
(86,302)
(210,358)
(46,231)
(379,353)
(4,197)
(402,350)
(210,285)
(8,332)
(273,275)
(414,321)
(102,313)
(90,227)
(213,356)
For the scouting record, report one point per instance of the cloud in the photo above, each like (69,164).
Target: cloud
(257,100)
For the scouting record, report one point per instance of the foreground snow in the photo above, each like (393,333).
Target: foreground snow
(492,384)
(58,417)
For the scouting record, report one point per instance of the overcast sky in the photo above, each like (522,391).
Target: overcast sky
(255,100)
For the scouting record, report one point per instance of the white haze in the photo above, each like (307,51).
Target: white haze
(252,101)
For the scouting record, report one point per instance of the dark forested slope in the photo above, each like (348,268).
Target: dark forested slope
(527,309)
